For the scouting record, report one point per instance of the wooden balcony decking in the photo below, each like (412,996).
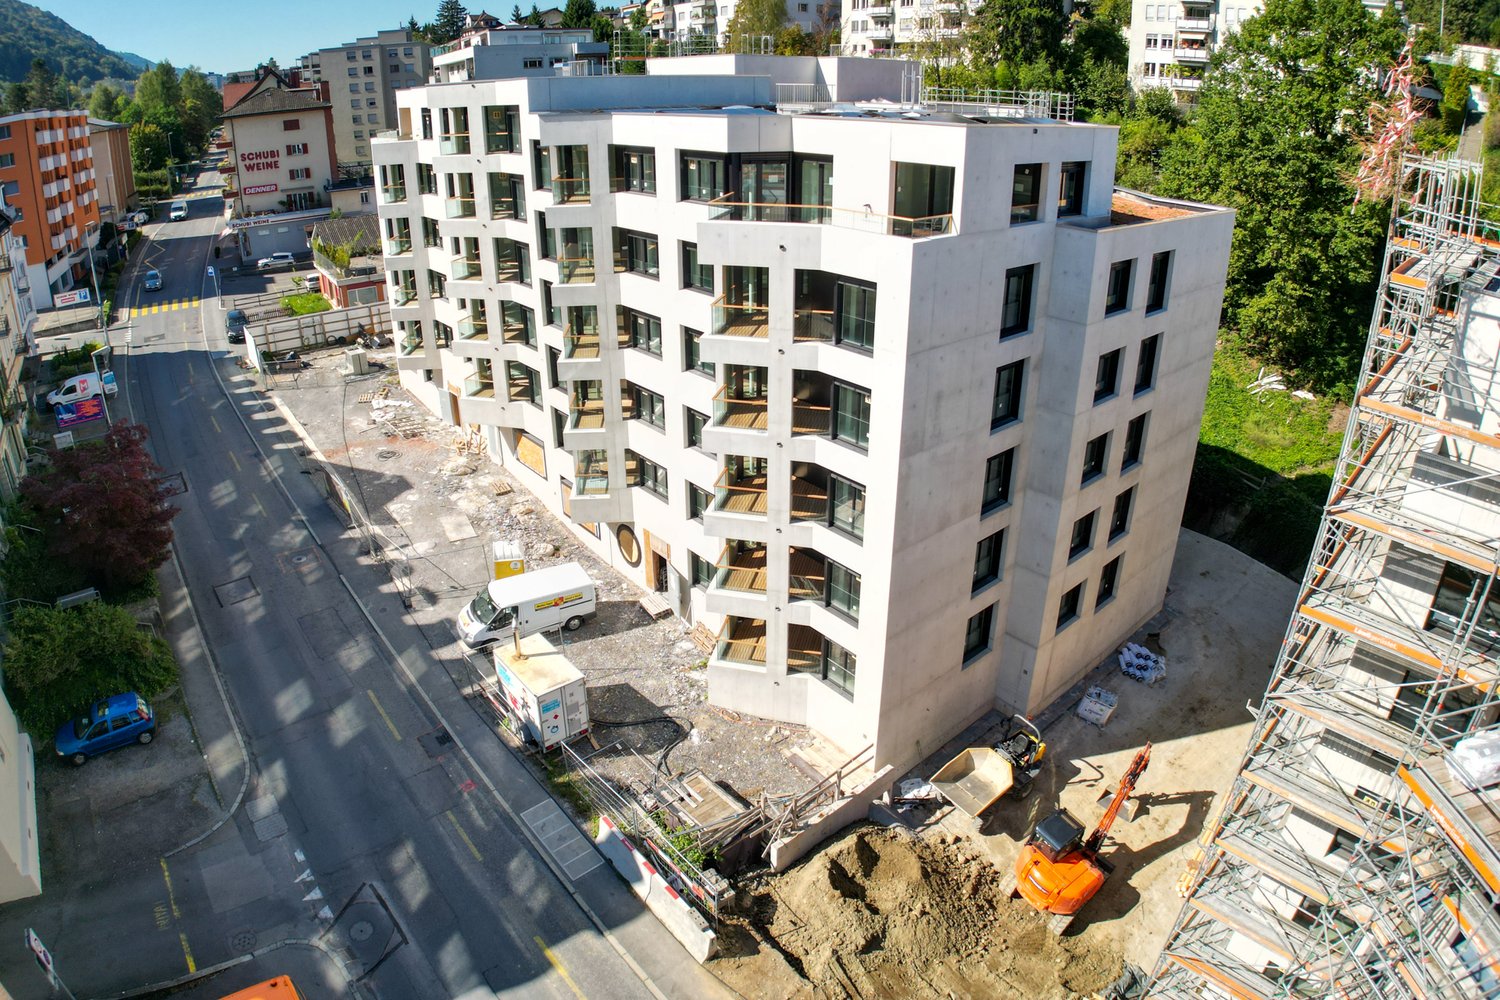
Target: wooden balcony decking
(588,417)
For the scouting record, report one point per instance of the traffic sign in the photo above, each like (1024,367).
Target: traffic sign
(44,961)
(210,270)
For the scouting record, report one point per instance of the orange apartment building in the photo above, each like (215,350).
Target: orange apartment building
(47,176)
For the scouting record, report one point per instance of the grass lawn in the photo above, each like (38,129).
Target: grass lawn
(1264,463)
(307,302)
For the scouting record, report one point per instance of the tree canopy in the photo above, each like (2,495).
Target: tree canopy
(1017,32)
(1275,136)
(756,17)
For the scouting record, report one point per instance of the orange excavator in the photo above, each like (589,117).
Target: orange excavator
(1059,870)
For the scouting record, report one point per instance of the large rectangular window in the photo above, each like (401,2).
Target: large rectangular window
(502,130)
(1135,442)
(977,633)
(1015,311)
(846,505)
(1156,293)
(694,274)
(1006,406)
(1068,607)
(692,353)
(645,405)
(636,252)
(1070,190)
(1107,375)
(997,472)
(641,471)
(699,500)
(1109,580)
(633,169)
(838,667)
(640,331)
(1117,293)
(1145,363)
(855,311)
(1026,193)
(704,176)
(1095,454)
(1119,519)
(843,589)
(1082,538)
(703,570)
(987,555)
(851,415)
(694,422)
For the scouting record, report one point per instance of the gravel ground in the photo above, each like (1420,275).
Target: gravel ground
(439,506)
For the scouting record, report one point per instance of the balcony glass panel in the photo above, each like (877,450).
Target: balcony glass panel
(592,473)
(742,640)
(742,567)
(570,183)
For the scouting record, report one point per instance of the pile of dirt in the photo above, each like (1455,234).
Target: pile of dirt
(882,913)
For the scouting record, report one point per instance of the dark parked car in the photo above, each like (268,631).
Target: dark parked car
(112,722)
(234,326)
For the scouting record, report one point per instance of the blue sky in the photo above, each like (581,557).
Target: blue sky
(227,37)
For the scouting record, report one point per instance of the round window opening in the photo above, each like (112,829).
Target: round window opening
(630,546)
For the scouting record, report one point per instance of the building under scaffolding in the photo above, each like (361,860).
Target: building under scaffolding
(1354,857)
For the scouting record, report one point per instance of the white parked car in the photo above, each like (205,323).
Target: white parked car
(277,261)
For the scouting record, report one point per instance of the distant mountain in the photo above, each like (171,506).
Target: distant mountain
(30,32)
(139,62)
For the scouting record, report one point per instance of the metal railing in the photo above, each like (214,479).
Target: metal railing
(570,190)
(480,386)
(575,270)
(473,328)
(455,144)
(734,319)
(460,207)
(726,209)
(1002,103)
(393,193)
(397,247)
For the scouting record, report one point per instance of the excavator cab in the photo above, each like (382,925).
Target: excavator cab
(1057,836)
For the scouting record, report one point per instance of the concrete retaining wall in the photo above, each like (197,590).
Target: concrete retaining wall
(295,333)
(675,913)
(852,809)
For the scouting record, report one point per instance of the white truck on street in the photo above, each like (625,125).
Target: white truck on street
(543,690)
(85,386)
(539,600)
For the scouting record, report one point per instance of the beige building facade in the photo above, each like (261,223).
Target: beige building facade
(113,171)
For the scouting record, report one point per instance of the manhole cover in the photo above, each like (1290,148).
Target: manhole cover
(300,558)
(235,591)
(436,742)
(361,930)
(386,454)
(242,942)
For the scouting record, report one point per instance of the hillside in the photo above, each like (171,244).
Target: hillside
(139,62)
(30,32)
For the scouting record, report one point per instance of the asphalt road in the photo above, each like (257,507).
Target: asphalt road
(356,802)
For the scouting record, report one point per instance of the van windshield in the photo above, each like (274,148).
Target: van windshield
(483,608)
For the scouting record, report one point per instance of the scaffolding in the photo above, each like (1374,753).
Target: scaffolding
(1352,858)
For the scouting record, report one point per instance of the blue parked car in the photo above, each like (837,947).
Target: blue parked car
(112,722)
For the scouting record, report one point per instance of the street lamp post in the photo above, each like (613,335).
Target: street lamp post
(103,396)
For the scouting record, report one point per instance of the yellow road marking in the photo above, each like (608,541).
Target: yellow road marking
(557,964)
(233,461)
(260,508)
(166,876)
(464,836)
(187,953)
(217,430)
(389,724)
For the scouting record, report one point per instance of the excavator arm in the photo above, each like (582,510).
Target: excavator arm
(1127,785)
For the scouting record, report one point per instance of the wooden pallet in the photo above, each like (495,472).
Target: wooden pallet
(655,605)
(703,638)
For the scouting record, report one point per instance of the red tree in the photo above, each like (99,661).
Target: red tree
(104,508)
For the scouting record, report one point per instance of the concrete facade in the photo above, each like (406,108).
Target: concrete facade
(113,168)
(20,849)
(495,53)
(886,27)
(363,78)
(860,436)
(47,179)
(17,321)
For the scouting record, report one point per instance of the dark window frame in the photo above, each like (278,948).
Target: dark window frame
(989,559)
(1020,284)
(979,634)
(1013,378)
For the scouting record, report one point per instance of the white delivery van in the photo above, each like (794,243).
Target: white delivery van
(83,387)
(542,689)
(531,602)
(179,211)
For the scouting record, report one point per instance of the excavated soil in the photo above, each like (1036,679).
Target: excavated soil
(882,914)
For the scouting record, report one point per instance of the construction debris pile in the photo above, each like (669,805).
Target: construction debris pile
(882,913)
(1139,663)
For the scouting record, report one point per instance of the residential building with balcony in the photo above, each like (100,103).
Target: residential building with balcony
(491,51)
(363,78)
(116,174)
(711,18)
(1171,43)
(894,28)
(912,444)
(47,179)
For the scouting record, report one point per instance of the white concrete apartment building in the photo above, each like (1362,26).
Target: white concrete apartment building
(363,78)
(712,17)
(1170,43)
(901,405)
(886,27)
(20,848)
(494,52)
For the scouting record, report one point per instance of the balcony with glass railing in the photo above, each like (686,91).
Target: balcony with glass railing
(454,143)
(740,319)
(516,325)
(404,293)
(742,641)
(480,385)
(393,193)
(733,411)
(585,408)
(741,568)
(581,343)
(473,327)
(397,246)
(459,207)
(728,208)
(591,473)
(465,268)
(412,340)
(576,270)
(570,184)
(812,403)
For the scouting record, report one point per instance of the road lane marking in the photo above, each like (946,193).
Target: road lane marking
(260,508)
(187,953)
(159,911)
(463,835)
(379,708)
(217,428)
(557,964)
(233,461)
(166,876)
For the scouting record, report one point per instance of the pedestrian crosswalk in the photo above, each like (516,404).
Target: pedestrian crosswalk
(191,195)
(164,306)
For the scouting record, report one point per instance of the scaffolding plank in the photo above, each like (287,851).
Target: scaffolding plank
(1466,817)
(1391,644)
(1226,977)
(1427,420)
(1416,539)
(1240,921)
(1298,698)
(1324,807)
(1278,865)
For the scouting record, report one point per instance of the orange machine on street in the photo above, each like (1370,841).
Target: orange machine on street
(1059,870)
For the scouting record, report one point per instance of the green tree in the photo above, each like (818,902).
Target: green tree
(1019,31)
(159,89)
(16,98)
(57,662)
(106,102)
(753,18)
(1275,136)
(1454,107)
(449,23)
(104,508)
(43,88)
(148,147)
(200,108)
(1115,12)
